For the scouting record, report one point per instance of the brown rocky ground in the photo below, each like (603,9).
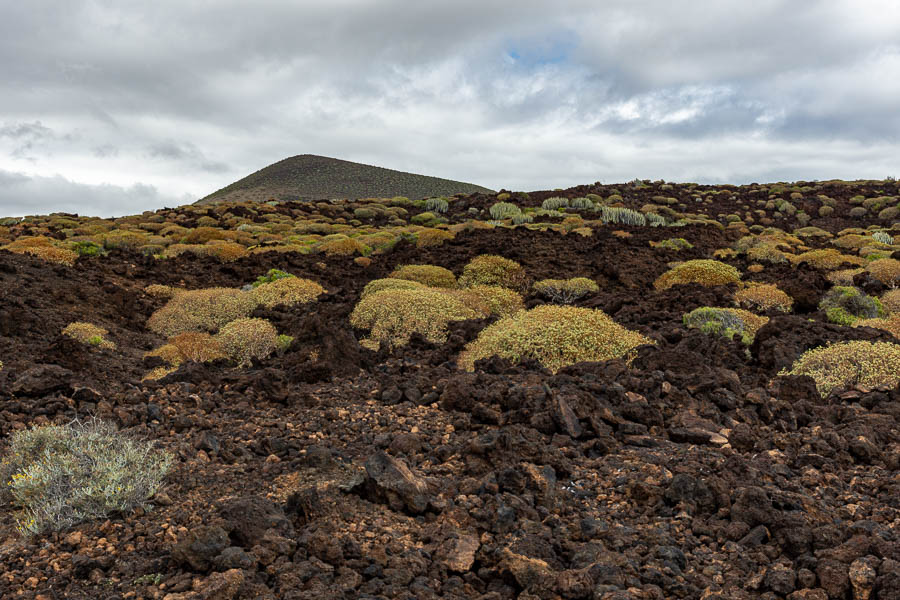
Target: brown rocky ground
(336,472)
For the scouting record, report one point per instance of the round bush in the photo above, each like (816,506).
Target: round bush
(726,322)
(489,269)
(60,476)
(201,310)
(885,270)
(390,283)
(500,301)
(88,333)
(429,275)
(556,336)
(704,271)
(763,297)
(392,316)
(565,291)
(844,305)
(246,339)
(288,291)
(847,364)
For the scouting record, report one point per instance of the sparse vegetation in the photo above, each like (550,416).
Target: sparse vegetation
(846,364)
(201,310)
(725,322)
(88,333)
(565,291)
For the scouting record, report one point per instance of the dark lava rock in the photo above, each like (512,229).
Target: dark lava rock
(199,547)
(249,518)
(389,480)
(41,380)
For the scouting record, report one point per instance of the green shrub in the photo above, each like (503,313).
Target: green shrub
(624,216)
(283,343)
(59,476)
(504,210)
(201,310)
(726,322)
(488,269)
(565,291)
(288,291)
(847,364)
(86,248)
(425,218)
(437,205)
(87,333)
(704,271)
(248,338)
(392,316)
(845,305)
(673,244)
(430,275)
(390,283)
(555,203)
(556,336)
(498,301)
(270,276)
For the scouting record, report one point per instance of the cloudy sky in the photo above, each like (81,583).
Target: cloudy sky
(112,107)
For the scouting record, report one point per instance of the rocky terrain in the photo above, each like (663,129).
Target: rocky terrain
(691,469)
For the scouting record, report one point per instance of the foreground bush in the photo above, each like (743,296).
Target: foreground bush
(556,336)
(429,275)
(63,475)
(489,269)
(392,316)
(726,322)
(288,291)
(245,339)
(763,297)
(704,271)
(390,283)
(201,310)
(88,333)
(844,305)
(565,291)
(847,364)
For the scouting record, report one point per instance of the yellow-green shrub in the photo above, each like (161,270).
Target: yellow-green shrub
(565,291)
(201,310)
(288,291)
(704,271)
(225,251)
(342,247)
(556,336)
(429,275)
(891,324)
(88,333)
(843,276)
(488,269)
(762,297)
(500,301)
(426,238)
(827,258)
(726,322)
(43,248)
(246,339)
(392,316)
(158,290)
(891,301)
(390,283)
(846,364)
(197,347)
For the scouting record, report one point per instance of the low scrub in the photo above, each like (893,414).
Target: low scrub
(704,271)
(763,297)
(725,322)
(430,275)
(59,476)
(556,336)
(246,339)
(288,291)
(885,270)
(844,305)
(488,269)
(88,333)
(390,283)
(393,316)
(565,291)
(201,310)
(846,364)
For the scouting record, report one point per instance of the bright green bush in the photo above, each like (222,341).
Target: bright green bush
(845,305)
(847,364)
(59,476)
(270,276)
(556,336)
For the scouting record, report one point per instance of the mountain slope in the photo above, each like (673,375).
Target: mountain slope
(311,177)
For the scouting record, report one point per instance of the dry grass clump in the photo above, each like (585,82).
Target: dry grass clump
(201,310)
(891,301)
(489,269)
(827,258)
(288,291)
(88,333)
(885,270)
(843,276)
(427,238)
(226,251)
(245,339)
(565,291)
(891,324)
(59,476)
(43,248)
(201,235)
(500,301)
(392,316)
(703,271)
(197,347)
(429,275)
(763,297)
(556,336)
(847,364)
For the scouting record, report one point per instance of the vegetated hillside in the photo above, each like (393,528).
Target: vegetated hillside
(311,177)
(633,391)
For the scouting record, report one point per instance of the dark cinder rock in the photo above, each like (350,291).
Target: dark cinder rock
(248,518)
(41,380)
(389,480)
(200,546)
